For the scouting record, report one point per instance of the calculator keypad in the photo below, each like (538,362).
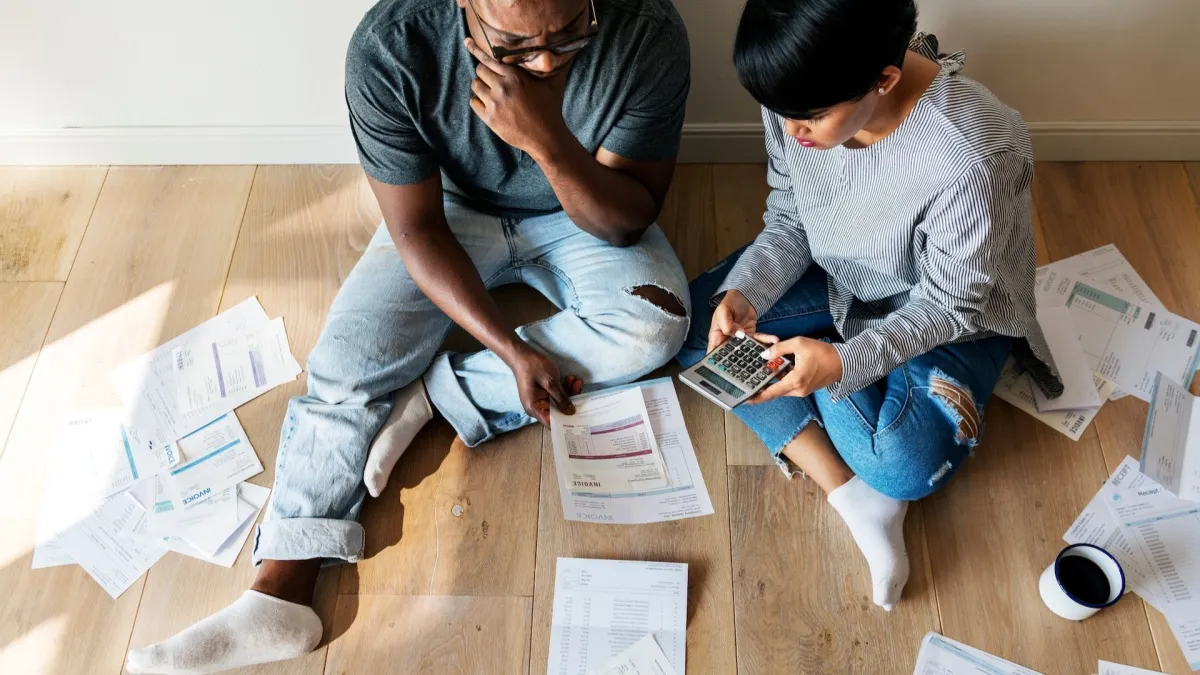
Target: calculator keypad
(739,359)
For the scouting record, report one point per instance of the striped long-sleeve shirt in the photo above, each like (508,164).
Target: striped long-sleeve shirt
(925,235)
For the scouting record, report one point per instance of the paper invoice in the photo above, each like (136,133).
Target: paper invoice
(1106,269)
(1079,389)
(940,655)
(148,384)
(685,496)
(602,607)
(1171,444)
(1125,342)
(1109,668)
(115,561)
(644,657)
(609,445)
(1016,388)
(251,499)
(216,456)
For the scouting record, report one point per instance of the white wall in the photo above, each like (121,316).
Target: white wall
(261,80)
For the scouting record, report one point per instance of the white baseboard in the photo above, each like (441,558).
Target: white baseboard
(724,143)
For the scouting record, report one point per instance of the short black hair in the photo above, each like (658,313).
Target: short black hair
(796,57)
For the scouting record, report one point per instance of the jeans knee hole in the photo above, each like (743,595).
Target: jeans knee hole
(959,406)
(660,298)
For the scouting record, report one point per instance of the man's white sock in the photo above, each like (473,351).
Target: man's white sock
(256,628)
(877,524)
(410,412)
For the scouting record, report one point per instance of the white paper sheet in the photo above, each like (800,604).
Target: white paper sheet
(644,657)
(148,385)
(216,456)
(1125,342)
(942,656)
(114,560)
(204,525)
(1109,668)
(91,460)
(602,607)
(1079,388)
(1016,388)
(251,499)
(1171,445)
(609,445)
(686,495)
(1099,525)
(225,367)
(1106,269)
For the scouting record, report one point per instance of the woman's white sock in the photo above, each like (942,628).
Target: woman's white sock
(410,412)
(256,628)
(877,524)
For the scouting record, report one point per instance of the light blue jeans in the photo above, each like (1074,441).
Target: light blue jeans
(896,434)
(382,333)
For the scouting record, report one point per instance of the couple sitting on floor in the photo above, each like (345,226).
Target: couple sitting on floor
(533,141)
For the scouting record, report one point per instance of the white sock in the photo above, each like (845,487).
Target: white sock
(410,412)
(877,524)
(256,628)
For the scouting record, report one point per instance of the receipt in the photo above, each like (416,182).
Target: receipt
(942,656)
(643,657)
(1171,445)
(216,456)
(1109,668)
(1106,269)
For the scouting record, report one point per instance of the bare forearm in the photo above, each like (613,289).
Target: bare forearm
(605,202)
(445,274)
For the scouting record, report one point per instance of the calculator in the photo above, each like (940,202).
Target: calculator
(733,372)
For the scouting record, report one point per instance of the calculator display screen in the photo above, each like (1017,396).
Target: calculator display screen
(723,384)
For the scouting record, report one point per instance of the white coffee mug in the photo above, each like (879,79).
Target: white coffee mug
(1057,590)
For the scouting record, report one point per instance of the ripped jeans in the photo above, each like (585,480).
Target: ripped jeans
(382,333)
(906,434)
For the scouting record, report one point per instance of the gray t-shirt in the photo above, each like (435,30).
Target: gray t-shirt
(408,88)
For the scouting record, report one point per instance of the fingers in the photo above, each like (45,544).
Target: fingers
(478,106)
(768,339)
(540,412)
(480,89)
(573,385)
(787,386)
(557,396)
(485,59)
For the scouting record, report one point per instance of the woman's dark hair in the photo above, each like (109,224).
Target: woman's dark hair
(796,57)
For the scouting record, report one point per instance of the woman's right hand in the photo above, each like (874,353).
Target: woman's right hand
(733,314)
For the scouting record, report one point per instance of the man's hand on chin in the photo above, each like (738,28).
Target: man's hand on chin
(523,110)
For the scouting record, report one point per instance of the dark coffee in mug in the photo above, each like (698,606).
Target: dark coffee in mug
(1083,580)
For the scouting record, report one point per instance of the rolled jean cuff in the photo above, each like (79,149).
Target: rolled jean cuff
(777,423)
(447,395)
(309,539)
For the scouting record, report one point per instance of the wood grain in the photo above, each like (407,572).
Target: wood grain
(998,524)
(740,196)
(687,218)
(288,254)
(803,591)
(415,635)
(702,543)
(43,214)
(152,265)
(25,311)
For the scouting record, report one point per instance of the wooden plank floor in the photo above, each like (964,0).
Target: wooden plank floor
(98,265)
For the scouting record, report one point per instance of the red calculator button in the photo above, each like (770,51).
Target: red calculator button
(775,363)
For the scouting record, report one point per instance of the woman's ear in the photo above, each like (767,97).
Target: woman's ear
(888,80)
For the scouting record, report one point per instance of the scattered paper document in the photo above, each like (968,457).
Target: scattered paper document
(250,501)
(1125,342)
(1108,668)
(216,456)
(684,495)
(644,657)
(603,607)
(1171,446)
(1079,388)
(1016,388)
(149,386)
(204,525)
(609,444)
(1106,269)
(227,366)
(942,656)
(113,560)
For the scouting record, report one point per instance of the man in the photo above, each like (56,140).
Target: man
(507,141)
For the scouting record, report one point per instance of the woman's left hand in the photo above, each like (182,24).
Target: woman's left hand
(815,365)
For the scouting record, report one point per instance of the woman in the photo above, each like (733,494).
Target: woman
(896,266)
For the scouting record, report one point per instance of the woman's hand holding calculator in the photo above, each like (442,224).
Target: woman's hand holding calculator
(733,314)
(815,365)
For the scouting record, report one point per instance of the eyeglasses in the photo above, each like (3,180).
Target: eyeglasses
(521,55)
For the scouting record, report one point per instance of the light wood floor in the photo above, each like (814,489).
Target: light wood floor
(98,265)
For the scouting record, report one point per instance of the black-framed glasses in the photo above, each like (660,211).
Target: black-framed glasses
(521,55)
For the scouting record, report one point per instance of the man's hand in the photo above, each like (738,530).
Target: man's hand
(733,314)
(523,110)
(816,365)
(539,385)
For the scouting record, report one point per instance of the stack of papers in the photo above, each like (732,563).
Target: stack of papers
(1155,536)
(618,617)
(625,457)
(1109,668)
(1109,336)
(167,470)
(942,656)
